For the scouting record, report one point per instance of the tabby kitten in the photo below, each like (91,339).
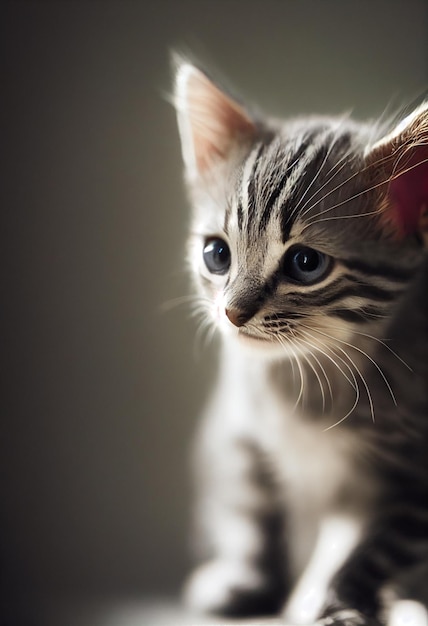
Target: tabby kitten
(307,252)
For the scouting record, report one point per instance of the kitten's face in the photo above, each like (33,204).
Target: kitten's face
(299,235)
(275,239)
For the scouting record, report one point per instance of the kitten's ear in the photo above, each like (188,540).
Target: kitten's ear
(209,121)
(400,159)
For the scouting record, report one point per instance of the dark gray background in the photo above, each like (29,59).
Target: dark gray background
(101,390)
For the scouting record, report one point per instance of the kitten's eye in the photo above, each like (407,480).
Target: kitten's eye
(305,265)
(217,256)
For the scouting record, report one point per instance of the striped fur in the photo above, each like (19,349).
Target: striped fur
(319,418)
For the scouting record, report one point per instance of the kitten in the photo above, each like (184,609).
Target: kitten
(307,253)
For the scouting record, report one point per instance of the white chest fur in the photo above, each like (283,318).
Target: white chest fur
(316,469)
(316,466)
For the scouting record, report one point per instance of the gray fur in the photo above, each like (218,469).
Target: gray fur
(320,409)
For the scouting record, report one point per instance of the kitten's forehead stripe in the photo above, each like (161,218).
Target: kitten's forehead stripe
(277,190)
(315,159)
(240,214)
(247,185)
(273,178)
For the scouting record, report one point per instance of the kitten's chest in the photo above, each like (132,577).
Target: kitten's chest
(318,467)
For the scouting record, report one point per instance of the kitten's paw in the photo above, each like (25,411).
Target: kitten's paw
(347,617)
(231,588)
(408,613)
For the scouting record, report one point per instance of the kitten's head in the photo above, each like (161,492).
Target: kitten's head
(305,231)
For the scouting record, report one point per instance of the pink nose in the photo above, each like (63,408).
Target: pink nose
(236,317)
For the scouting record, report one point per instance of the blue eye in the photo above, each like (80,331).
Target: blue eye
(217,256)
(305,265)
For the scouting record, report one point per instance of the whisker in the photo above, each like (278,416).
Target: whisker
(360,193)
(342,162)
(322,369)
(327,347)
(363,380)
(348,357)
(296,208)
(342,419)
(167,306)
(376,365)
(354,386)
(204,334)
(331,191)
(305,356)
(283,341)
(385,345)
(339,217)
(320,365)
(353,407)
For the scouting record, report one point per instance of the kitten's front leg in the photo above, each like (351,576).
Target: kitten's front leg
(333,585)
(394,552)
(239,522)
(337,537)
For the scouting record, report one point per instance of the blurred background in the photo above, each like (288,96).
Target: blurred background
(101,388)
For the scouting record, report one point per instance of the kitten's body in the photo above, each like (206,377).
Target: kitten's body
(312,457)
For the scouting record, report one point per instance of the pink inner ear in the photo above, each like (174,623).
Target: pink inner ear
(409,192)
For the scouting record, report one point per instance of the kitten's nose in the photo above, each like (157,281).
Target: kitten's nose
(237,317)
